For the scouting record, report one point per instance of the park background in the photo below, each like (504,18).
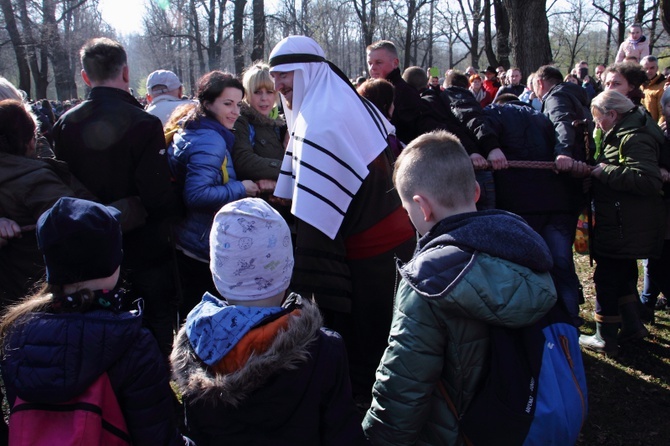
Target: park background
(39,42)
(40,39)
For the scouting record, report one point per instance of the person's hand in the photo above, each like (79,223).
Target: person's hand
(266,186)
(251,188)
(9,229)
(665,175)
(478,161)
(580,169)
(564,163)
(663,125)
(597,171)
(498,159)
(586,79)
(279,201)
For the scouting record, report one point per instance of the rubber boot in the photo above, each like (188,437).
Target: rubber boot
(632,327)
(604,340)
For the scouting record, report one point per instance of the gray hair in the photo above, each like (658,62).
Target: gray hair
(610,100)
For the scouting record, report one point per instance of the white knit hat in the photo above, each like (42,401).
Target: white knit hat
(251,255)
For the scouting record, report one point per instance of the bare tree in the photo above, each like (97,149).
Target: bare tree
(529,33)
(238,35)
(258,14)
(18,45)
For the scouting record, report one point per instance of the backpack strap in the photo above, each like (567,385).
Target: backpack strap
(452,408)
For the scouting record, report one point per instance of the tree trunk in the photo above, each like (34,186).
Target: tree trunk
(608,44)
(258,51)
(63,72)
(488,38)
(238,35)
(18,45)
(503,29)
(39,71)
(530,33)
(198,38)
(621,32)
(665,15)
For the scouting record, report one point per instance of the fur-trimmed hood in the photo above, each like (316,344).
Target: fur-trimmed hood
(290,347)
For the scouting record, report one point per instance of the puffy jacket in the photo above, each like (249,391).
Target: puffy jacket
(201,163)
(258,376)
(637,49)
(564,103)
(82,346)
(258,150)
(629,210)
(653,92)
(469,111)
(525,134)
(469,271)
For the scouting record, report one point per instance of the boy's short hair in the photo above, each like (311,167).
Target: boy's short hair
(457,79)
(102,59)
(416,77)
(436,164)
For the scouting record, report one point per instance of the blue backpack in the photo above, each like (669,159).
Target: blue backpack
(535,392)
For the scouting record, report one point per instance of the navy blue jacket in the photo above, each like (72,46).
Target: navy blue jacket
(525,134)
(51,358)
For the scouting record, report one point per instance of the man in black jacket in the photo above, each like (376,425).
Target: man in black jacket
(383,64)
(566,106)
(117,150)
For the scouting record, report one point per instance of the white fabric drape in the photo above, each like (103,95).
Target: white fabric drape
(333,139)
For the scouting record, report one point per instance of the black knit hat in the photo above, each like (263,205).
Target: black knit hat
(80,240)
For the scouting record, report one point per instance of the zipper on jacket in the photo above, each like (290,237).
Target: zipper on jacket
(619,218)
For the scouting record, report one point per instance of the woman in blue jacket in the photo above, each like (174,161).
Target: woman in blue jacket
(201,163)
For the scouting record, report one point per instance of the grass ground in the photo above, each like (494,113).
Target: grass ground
(629,397)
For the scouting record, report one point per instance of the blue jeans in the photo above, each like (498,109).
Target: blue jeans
(656,277)
(558,231)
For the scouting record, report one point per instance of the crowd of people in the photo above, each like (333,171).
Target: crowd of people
(253,243)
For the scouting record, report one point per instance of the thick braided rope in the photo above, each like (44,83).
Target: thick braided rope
(550,165)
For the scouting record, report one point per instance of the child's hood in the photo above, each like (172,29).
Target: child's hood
(497,233)
(214,328)
(500,248)
(289,348)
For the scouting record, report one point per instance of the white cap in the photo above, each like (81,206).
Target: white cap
(160,78)
(250,250)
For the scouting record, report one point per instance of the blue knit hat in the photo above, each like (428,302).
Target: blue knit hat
(80,240)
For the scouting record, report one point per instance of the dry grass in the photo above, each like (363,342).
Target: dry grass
(629,397)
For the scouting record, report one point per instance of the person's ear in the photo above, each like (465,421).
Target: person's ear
(425,205)
(478,192)
(126,74)
(84,76)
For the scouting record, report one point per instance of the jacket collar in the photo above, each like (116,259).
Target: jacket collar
(98,93)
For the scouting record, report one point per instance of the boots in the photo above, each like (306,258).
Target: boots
(604,340)
(632,328)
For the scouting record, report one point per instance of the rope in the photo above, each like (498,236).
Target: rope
(548,165)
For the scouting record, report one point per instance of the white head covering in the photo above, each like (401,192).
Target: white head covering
(335,134)
(251,255)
